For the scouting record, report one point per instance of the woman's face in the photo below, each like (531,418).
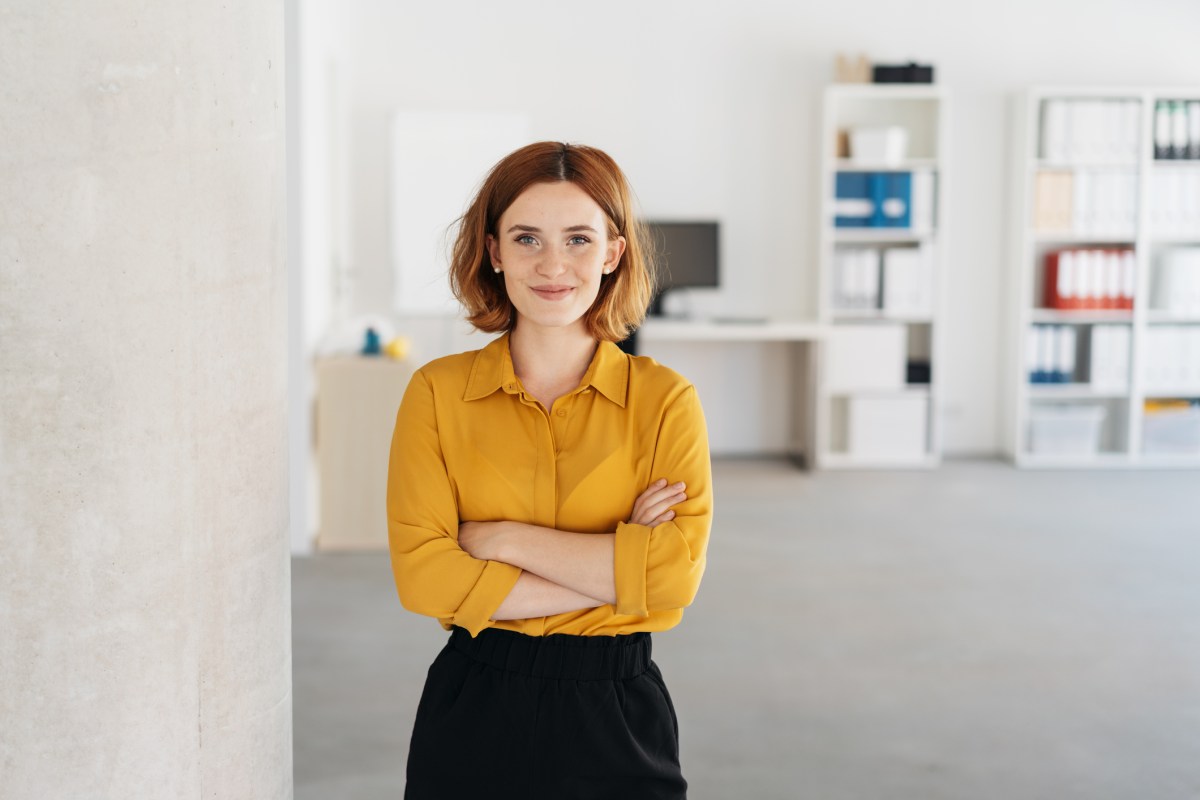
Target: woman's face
(552,248)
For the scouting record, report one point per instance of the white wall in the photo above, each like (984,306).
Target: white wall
(317,210)
(712,110)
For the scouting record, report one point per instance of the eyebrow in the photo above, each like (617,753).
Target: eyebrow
(572,229)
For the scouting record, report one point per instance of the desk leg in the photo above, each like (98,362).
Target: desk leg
(803,445)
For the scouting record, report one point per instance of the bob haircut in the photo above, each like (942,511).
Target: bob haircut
(624,294)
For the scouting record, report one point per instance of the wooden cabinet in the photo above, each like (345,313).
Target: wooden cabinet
(357,400)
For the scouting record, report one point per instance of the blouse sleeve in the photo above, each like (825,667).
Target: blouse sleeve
(660,568)
(434,576)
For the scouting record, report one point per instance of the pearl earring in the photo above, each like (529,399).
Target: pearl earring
(496,270)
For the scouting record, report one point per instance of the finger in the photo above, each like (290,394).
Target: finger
(649,495)
(667,517)
(658,495)
(655,500)
(658,509)
(652,488)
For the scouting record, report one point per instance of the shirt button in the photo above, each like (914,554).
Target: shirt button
(510,387)
(562,412)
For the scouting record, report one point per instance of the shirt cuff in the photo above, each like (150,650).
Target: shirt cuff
(630,553)
(494,584)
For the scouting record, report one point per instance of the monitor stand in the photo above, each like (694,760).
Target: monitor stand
(655,310)
(656,305)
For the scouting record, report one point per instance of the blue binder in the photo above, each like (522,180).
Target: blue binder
(873,200)
(892,192)
(853,186)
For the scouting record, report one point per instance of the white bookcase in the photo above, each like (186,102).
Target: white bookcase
(1098,333)
(880,377)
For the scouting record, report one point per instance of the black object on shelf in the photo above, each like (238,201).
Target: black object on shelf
(902,73)
(918,372)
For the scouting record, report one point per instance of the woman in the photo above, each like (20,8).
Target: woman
(549,501)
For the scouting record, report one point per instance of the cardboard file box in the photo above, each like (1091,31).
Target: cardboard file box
(888,426)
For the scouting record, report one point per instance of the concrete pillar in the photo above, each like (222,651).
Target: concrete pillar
(145,626)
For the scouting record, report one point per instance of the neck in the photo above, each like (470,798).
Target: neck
(551,355)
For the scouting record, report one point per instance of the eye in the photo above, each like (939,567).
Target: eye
(581,239)
(521,239)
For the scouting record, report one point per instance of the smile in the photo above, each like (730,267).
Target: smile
(552,292)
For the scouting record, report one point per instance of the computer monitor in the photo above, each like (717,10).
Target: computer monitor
(687,256)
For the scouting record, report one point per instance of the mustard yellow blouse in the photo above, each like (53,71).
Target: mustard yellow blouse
(471,445)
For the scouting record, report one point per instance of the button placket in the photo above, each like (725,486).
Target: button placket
(546,481)
(564,415)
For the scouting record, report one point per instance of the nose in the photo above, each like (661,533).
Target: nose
(553,262)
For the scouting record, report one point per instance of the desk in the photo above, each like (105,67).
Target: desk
(804,338)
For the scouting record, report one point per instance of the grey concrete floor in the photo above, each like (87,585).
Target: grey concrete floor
(971,632)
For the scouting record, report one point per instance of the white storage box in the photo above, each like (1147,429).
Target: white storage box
(1171,431)
(865,357)
(886,145)
(887,426)
(1066,430)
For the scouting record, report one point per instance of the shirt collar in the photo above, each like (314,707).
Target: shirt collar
(493,369)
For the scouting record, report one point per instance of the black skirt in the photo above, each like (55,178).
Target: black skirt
(560,716)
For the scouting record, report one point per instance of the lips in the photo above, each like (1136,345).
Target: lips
(552,292)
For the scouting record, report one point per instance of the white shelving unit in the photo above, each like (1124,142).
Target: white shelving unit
(1037,128)
(877,419)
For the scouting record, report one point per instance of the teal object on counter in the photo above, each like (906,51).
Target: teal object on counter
(371,345)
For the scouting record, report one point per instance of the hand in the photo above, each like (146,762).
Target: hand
(481,539)
(653,506)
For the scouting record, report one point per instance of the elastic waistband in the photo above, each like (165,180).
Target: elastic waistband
(559,655)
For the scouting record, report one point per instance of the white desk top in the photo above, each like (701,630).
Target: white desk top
(676,330)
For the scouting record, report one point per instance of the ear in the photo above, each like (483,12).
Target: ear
(493,248)
(616,248)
